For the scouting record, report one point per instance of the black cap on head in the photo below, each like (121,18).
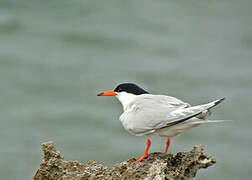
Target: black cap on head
(130,88)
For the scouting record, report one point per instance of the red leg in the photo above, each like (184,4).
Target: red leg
(146,152)
(167,145)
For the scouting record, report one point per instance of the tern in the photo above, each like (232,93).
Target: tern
(146,114)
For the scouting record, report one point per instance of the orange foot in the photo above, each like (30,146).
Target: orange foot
(167,145)
(141,158)
(145,154)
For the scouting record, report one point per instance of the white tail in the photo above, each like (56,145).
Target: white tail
(208,121)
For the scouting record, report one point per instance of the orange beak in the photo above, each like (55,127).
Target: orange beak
(107,93)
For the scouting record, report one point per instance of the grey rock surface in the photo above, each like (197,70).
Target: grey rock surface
(182,165)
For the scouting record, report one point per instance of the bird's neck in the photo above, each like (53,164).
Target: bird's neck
(125,99)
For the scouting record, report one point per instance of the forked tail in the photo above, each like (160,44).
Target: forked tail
(195,111)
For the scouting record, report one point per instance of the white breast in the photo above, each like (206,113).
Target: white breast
(125,99)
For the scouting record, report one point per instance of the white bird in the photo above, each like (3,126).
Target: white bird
(149,115)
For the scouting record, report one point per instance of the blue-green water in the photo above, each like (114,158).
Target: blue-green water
(55,56)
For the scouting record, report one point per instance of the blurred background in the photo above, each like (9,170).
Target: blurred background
(55,56)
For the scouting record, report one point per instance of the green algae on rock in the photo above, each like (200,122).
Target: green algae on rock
(183,165)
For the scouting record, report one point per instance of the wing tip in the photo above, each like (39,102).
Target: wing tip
(219,101)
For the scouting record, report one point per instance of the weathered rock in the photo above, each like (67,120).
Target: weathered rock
(183,165)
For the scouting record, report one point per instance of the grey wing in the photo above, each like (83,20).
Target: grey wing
(150,112)
(183,114)
(153,112)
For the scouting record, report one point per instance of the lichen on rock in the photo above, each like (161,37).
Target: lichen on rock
(183,165)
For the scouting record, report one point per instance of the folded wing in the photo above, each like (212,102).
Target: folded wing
(152,112)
